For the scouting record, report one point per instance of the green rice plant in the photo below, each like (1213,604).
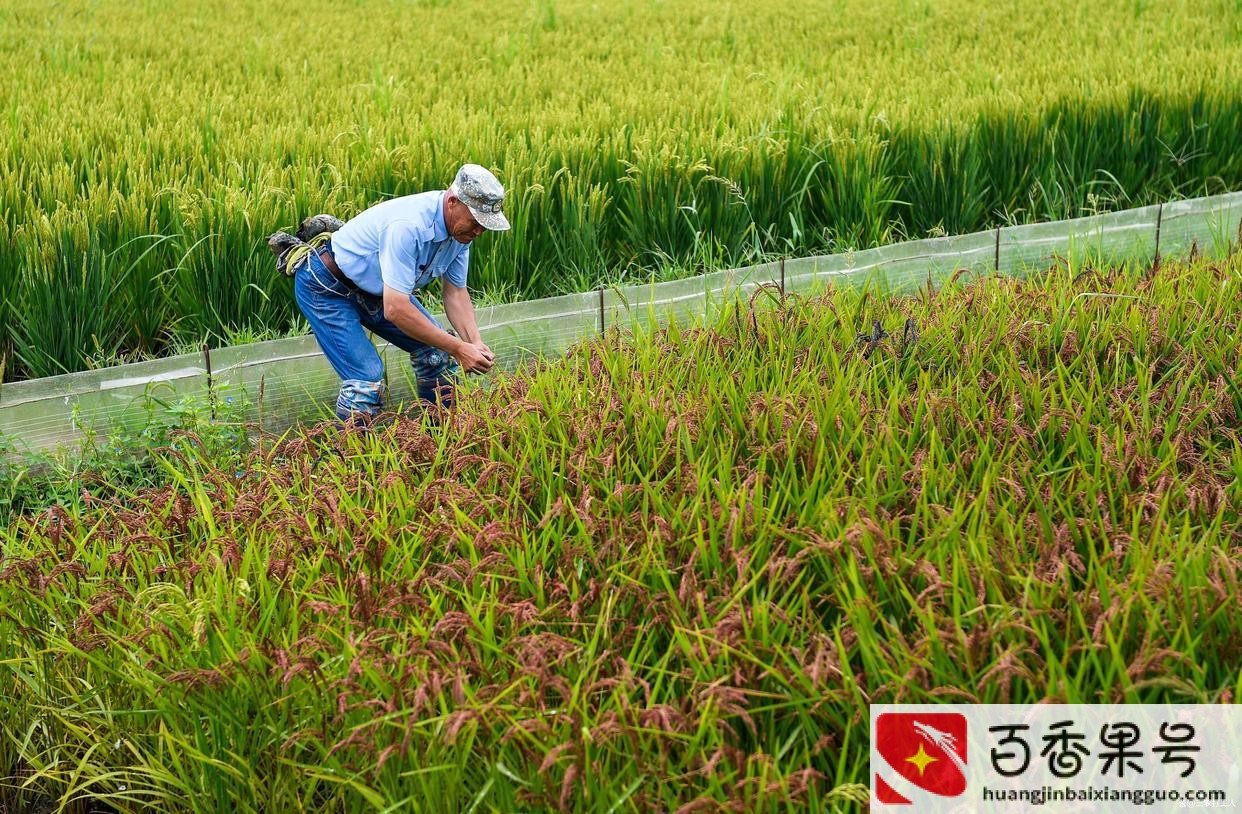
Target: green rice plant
(125,459)
(632,138)
(669,571)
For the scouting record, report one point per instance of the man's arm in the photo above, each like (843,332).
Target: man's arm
(457,305)
(460,312)
(401,312)
(399,269)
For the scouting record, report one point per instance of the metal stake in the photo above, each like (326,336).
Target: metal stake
(1159,222)
(211,393)
(996,266)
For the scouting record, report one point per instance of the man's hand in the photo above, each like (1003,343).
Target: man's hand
(474,357)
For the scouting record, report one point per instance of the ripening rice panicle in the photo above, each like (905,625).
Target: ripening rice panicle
(612,577)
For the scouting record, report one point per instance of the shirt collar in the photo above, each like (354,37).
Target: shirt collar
(439,230)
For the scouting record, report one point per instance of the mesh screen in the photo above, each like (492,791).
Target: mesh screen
(286,381)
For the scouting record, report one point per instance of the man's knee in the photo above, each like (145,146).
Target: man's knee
(358,396)
(432,363)
(435,371)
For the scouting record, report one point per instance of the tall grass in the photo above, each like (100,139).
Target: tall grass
(662,574)
(630,135)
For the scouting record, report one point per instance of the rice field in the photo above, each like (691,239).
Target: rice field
(150,146)
(667,573)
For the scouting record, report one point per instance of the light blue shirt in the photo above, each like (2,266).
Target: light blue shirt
(402,243)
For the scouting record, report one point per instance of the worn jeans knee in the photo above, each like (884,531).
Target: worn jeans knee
(432,363)
(357,396)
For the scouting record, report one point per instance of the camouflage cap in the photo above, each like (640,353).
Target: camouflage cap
(479,190)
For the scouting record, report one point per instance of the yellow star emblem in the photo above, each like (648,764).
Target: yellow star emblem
(921,759)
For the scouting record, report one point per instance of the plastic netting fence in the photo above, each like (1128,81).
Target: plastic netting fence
(281,382)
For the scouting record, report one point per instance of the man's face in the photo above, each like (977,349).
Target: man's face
(460,223)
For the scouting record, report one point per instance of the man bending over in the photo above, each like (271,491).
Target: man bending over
(364,277)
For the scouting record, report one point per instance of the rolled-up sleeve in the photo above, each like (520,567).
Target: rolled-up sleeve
(398,255)
(456,272)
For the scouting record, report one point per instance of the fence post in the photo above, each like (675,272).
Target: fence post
(211,392)
(1159,222)
(996,260)
(782,279)
(601,310)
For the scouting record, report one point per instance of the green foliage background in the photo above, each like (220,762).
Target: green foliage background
(149,147)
